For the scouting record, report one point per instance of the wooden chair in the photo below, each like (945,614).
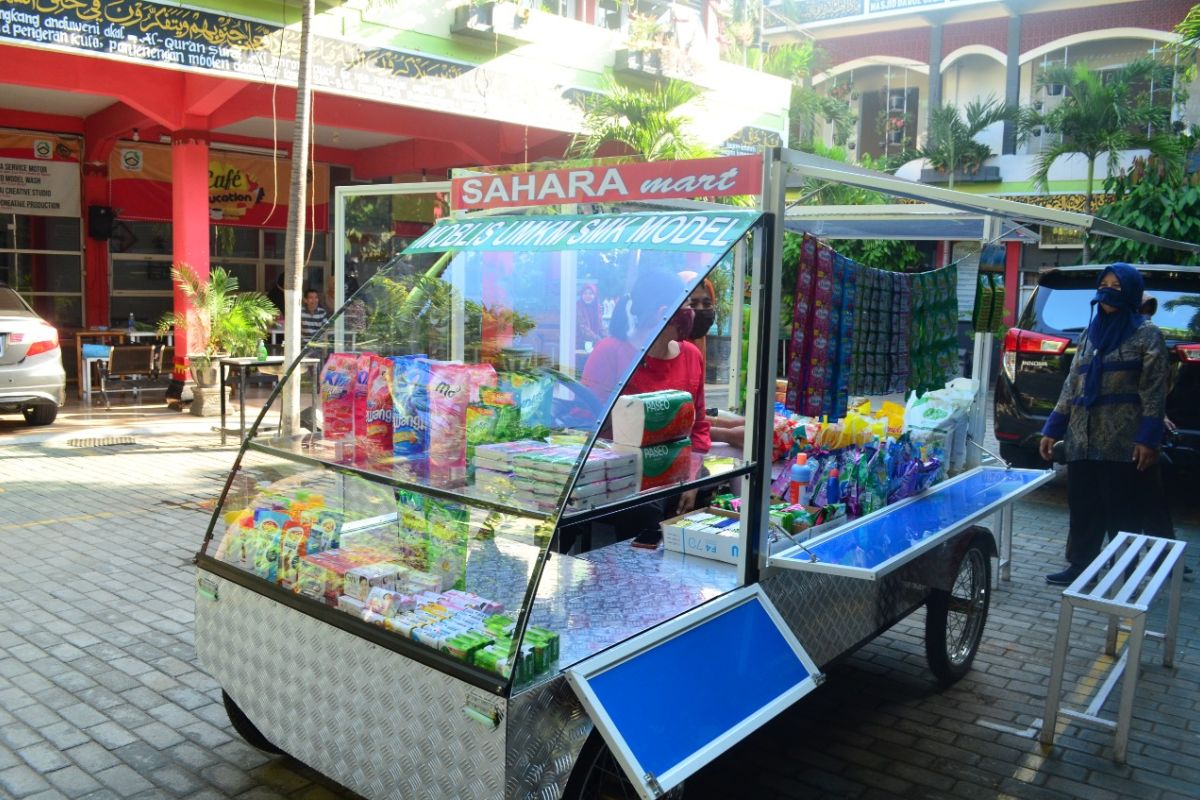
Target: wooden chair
(129,368)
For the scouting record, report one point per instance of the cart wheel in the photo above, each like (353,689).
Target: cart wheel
(598,776)
(954,620)
(245,728)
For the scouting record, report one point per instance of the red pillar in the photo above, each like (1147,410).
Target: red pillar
(190,234)
(1012,283)
(95,290)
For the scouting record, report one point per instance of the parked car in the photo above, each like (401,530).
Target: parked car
(32,380)
(1037,354)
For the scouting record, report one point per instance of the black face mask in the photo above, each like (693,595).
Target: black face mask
(703,322)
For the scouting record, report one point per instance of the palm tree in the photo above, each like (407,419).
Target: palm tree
(647,122)
(795,62)
(1101,116)
(950,145)
(293,257)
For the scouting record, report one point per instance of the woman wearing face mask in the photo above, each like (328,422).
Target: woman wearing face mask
(1109,417)
(671,362)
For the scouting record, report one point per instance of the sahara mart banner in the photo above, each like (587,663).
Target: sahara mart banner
(39,174)
(659,180)
(242,189)
(701,231)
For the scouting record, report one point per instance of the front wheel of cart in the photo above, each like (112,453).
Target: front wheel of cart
(598,776)
(245,728)
(954,619)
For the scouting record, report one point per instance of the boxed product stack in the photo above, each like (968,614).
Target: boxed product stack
(541,476)
(493,466)
(710,533)
(622,478)
(659,425)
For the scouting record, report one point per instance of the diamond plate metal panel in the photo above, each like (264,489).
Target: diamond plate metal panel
(371,719)
(547,727)
(833,614)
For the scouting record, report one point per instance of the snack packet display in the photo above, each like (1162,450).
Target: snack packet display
(338,377)
(449,533)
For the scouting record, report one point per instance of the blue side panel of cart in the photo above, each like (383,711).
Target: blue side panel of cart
(881,541)
(670,700)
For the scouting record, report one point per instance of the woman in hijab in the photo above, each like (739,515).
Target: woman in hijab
(588,320)
(1109,417)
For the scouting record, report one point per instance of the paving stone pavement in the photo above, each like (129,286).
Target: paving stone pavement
(102,696)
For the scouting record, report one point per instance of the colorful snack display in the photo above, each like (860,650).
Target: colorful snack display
(653,417)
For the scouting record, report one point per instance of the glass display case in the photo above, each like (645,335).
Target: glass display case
(468,436)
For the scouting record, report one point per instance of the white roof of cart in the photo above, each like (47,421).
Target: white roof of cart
(801,166)
(917,221)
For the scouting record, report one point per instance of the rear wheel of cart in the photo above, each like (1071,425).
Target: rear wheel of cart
(954,620)
(598,776)
(245,728)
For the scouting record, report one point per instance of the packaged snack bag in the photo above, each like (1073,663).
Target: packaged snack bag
(410,421)
(293,546)
(362,374)
(480,377)
(653,417)
(449,533)
(373,443)
(448,389)
(337,396)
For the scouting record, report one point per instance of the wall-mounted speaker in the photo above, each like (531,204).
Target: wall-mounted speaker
(100,222)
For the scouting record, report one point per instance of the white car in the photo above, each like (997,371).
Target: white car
(32,379)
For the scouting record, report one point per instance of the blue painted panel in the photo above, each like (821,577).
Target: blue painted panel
(876,541)
(670,701)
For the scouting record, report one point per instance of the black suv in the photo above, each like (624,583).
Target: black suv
(1038,353)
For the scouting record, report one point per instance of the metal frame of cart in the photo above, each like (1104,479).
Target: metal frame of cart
(407,723)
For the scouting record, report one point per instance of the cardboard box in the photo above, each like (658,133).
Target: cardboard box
(682,535)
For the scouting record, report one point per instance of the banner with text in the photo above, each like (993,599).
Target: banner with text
(658,180)
(243,189)
(701,231)
(39,175)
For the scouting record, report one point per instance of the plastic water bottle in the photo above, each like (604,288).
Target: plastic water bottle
(131,322)
(800,477)
(261,352)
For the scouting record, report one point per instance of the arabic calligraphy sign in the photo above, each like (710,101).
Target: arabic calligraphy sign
(188,38)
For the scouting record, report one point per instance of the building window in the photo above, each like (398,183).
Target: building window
(142,258)
(42,259)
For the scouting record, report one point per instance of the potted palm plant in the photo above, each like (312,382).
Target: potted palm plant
(222,321)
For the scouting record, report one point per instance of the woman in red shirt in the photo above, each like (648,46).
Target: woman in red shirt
(671,362)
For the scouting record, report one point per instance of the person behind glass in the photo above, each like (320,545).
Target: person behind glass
(1109,417)
(589,324)
(730,429)
(670,362)
(312,315)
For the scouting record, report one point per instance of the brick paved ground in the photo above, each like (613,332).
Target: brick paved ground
(101,695)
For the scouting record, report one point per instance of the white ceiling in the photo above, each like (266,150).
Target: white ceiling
(74,104)
(49,101)
(326,136)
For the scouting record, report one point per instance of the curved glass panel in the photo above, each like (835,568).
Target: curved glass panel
(457,396)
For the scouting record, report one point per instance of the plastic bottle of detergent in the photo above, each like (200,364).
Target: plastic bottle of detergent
(801,476)
(833,490)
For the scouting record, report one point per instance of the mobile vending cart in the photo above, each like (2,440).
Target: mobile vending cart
(383,599)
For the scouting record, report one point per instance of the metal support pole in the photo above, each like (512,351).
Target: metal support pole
(1063,637)
(1137,635)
